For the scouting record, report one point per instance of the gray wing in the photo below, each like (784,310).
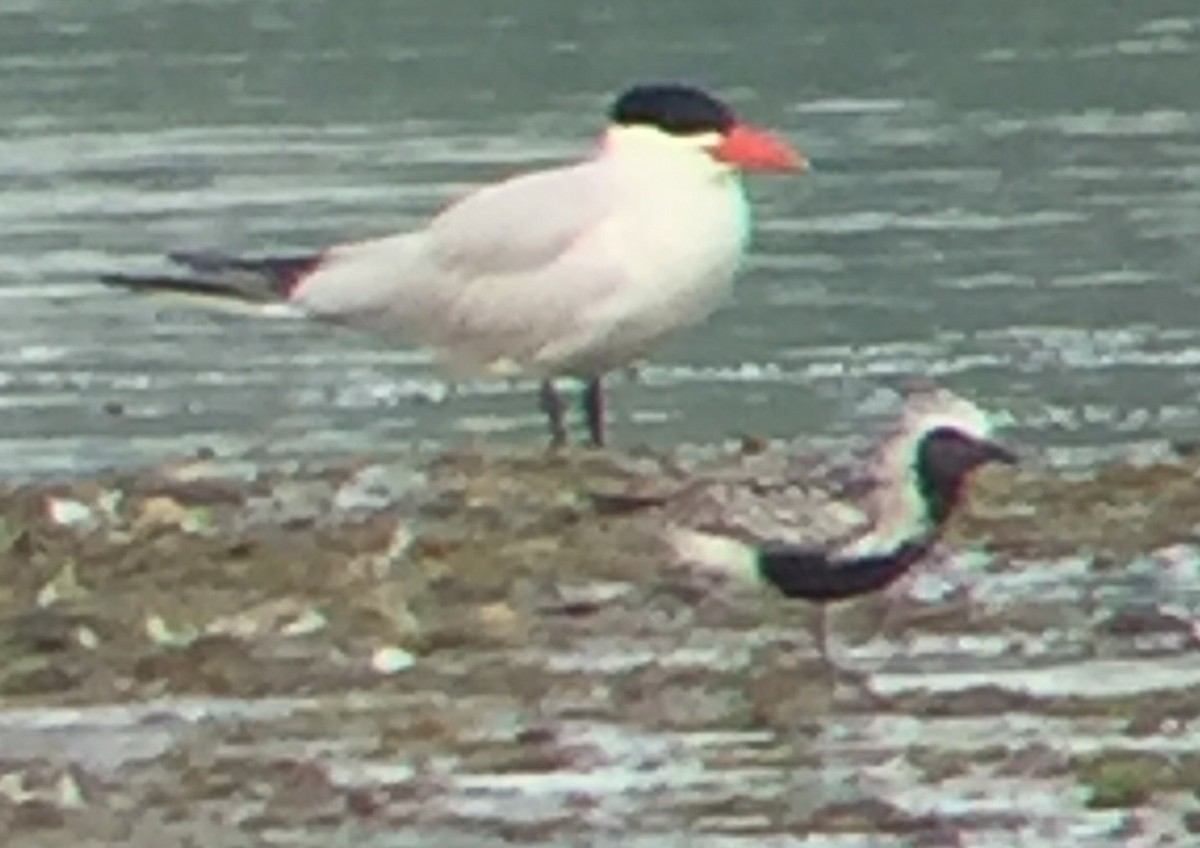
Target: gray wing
(520,225)
(498,275)
(754,498)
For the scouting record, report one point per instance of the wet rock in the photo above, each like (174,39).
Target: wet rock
(1165,714)
(1036,760)
(37,675)
(301,787)
(378,487)
(1152,622)
(379,564)
(500,623)
(391,660)
(575,599)
(38,796)
(167,635)
(475,626)
(214,664)
(162,512)
(1119,784)
(1131,778)
(278,616)
(72,513)
(532,754)
(871,815)
(47,630)
(976,700)
(209,468)
(191,493)
(389,611)
(35,815)
(11,535)
(64,586)
(290,504)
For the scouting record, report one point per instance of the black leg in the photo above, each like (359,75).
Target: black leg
(593,408)
(552,404)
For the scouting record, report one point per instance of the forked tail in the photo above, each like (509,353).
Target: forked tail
(222,277)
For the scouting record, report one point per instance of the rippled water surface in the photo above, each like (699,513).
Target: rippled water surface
(1005,196)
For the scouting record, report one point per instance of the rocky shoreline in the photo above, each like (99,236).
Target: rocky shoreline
(484,576)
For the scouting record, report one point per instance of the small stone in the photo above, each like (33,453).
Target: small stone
(9,535)
(209,468)
(12,787)
(108,505)
(161,634)
(585,598)
(378,487)
(63,586)
(36,814)
(289,616)
(162,511)
(380,565)
(499,622)
(67,512)
(311,620)
(36,675)
(70,795)
(290,503)
(392,660)
(87,638)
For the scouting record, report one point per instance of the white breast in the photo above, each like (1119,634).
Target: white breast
(680,238)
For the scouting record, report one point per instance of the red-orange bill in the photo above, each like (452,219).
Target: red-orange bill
(755,149)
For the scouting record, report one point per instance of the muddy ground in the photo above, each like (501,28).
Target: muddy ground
(486,647)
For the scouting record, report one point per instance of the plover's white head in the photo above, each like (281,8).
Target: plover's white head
(921,466)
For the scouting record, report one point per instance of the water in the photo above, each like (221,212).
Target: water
(1005,196)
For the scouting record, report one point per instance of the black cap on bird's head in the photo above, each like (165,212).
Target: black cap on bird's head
(682,110)
(673,108)
(945,458)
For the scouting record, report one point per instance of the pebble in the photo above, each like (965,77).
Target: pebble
(63,586)
(71,513)
(160,633)
(163,511)
(378,487)
(392,660)
(87,638)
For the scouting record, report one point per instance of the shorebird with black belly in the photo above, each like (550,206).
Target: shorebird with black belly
(567,272)
(821,549)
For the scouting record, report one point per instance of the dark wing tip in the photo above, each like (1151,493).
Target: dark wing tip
(196,287)
(280,274)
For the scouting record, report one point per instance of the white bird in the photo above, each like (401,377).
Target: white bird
(808,543)
(566,272)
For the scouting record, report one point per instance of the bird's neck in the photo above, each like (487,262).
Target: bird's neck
(685,220)
(650,157)
(900,515)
